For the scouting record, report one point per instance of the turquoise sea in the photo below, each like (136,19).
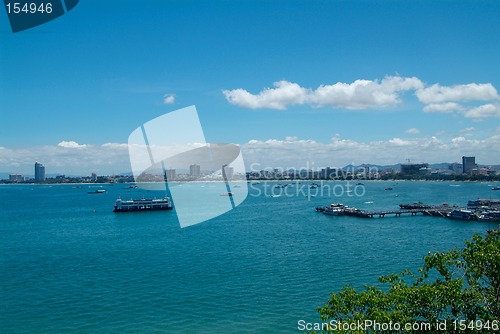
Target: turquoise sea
(69,264)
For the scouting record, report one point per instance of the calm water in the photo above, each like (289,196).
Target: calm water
(69,264)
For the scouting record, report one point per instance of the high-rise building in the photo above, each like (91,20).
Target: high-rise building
(170,174)
(229,171)
(39,172)
(456,168)
(414,168)
(15,178)
(328,173)
(468,164)
(194,170)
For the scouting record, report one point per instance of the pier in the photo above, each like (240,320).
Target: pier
(438,211)
(488,211)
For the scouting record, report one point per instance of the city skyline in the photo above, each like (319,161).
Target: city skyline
(195,171)
(324,83)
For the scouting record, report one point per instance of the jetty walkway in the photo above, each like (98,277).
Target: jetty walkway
(406,209)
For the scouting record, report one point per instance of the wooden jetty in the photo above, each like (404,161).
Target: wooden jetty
(426,210)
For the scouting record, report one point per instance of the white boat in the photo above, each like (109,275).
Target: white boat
(142,204)
(98,191)
(462,215)
(490,216)
(334,211)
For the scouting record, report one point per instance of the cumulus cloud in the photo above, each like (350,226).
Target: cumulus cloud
(364,94)
(447,107)
(484,111)
(285,93)
(111,158)
(340,152)
(68,158)
(470,92)
(169,99)
(360,94)
(370,94)
(71,144)
(412,131)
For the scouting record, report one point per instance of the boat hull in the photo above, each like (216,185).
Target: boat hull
(135,209)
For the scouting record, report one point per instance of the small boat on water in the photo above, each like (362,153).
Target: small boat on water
(98,191)
(227,194)
(333,211)
(142,204)
(461,214)
(495,188)
(389,188)
(416,205)
(490,216)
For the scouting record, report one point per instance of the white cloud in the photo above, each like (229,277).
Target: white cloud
(468,129)
(169,99)
(285,93)
(364,94)
(69,159)
(399,142)
(369,94)
(340,152)
(115,146)
(469,92)
(447,107)
(71,144)
(361,94)
(110,158)
(484,111)
(412,131)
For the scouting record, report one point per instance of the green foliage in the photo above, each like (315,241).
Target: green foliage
(458,285)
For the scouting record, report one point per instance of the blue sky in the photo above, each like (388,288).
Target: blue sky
(401,80)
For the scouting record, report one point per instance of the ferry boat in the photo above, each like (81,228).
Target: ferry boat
(416,205)
(462,214)
(142,204)
(333,211)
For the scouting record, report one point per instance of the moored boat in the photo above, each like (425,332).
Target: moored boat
(142,204)
(462,214)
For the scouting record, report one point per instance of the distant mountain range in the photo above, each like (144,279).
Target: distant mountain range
(442,165)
